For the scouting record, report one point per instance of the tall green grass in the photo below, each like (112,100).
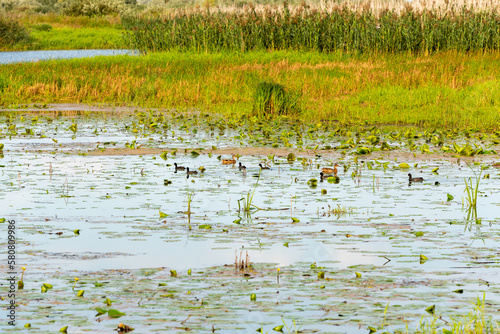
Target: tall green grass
(444,91)
(340,28)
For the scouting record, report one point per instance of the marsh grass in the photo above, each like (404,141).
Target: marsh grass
(477,321)
(445,91)
(471,192)
(12,32)
(271,99)
(354,29)
(245,203)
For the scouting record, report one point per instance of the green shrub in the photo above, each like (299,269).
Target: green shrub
(92,7)
(42,27)
(272,99)
(46,6)
(12,32)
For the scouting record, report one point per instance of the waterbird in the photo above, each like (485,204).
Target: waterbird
(241,167)
(190,172)
(265,167)
(414,179)
(178,167)
(323,176)
(231,161)
(327,170)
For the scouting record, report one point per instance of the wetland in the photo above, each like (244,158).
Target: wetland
(101,209)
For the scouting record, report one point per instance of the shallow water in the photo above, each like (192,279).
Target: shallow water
(115,202)
(30,56)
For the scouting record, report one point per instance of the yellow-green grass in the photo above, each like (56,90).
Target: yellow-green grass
(59,32)
(446,90)
(70,39)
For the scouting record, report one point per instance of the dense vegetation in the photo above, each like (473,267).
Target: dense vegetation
(305,29)
(446,90)
(11,32)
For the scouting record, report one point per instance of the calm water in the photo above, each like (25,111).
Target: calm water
(25,56)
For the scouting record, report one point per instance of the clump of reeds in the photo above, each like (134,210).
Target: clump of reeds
(241,263)
(271,99)
(12,32)
(347,28)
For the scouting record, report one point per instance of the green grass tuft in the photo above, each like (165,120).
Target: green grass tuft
(271,99)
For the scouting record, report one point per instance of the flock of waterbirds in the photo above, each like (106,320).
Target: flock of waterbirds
(324,174)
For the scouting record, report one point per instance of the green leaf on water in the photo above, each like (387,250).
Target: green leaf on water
(189,272)
(77,231)
(449,197)
(163,155)
(100,311)
(435,170)
(205,227)
(419,234)
(321,274)
(358,275)
(98,285)
(372,329)
(47,286)
(2,220)
(423,257)
(108,302)
(73,127)
(285,244)
(295,220)
(459,291)
(404,165)
(64,329)
(237,221)
(431,309)
(115,313)
(80,293)
(253,297)
(162,214)
(173,273)
(278,328)
(28,325)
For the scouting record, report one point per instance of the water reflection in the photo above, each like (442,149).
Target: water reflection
(31,56)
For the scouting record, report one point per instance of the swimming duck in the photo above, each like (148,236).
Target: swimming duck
(231,161)
(190,172)
(414,179)
(329,171)
(241,167)
(178,167)
(321,176)
(334,179)
(265,167)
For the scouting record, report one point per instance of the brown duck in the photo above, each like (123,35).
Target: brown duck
(231,161)
(414,179)
(330,171)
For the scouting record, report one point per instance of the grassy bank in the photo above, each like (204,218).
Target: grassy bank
(59,32)
(447,90)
